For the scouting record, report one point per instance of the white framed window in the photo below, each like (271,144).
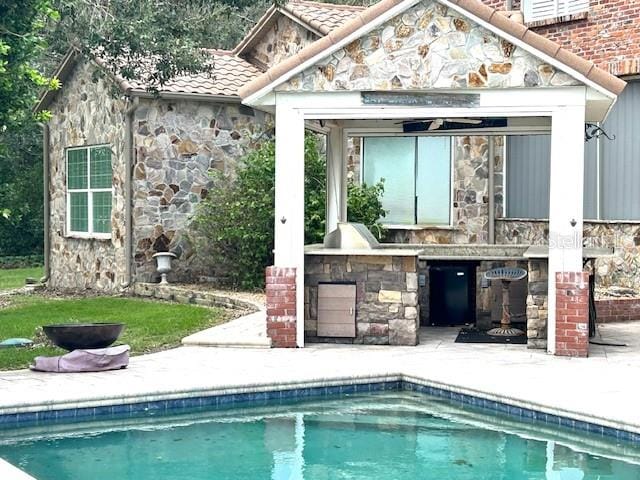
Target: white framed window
(417,178)
(89,191)
(536,10)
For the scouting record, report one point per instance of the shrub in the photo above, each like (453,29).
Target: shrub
(27,261)
(21,199)
(233,226)
(364,205)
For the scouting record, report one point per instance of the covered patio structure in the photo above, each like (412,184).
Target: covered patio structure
(411,66)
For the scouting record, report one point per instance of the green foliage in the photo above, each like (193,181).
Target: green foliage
(364,205)
(22,28)
(153,41)
(21,192)
(25,261)
(315,181)
(150,326)
(233,226)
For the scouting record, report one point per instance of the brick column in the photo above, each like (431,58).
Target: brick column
(572,314)
(281,306)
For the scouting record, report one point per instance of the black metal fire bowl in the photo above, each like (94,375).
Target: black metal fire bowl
(73,336)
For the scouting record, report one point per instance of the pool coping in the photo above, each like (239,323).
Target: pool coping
(12,417)
(10,472)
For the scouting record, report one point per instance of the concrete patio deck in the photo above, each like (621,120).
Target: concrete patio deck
(248,331)
(602,389)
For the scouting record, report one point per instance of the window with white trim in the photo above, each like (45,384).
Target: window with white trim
(536,10)
(89,191)
(417,178)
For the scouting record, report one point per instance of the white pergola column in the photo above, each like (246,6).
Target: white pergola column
(336,179)
(565,202)
(289,202)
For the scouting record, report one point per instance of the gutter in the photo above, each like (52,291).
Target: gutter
(198,97)
(128,202)
(46,202)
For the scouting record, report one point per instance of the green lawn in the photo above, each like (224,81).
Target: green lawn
(15,277)
(150,326)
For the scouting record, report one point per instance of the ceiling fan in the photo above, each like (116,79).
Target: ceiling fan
(431,124)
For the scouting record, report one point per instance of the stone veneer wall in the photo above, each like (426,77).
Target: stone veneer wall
(427,47)
(354,158)
(537,303)
(86,113)
(387,311)
(178,144)
(618,270)
(283,40)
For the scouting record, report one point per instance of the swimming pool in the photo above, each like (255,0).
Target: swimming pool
(387,435)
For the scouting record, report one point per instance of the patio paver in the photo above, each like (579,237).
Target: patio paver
(247,331)
(602,388)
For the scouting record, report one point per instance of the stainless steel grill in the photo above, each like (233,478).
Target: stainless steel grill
(351,236)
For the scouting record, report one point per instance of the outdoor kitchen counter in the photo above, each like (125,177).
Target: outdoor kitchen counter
(429,252)
(454,252)
(542,251)
(473,252)
(392,250)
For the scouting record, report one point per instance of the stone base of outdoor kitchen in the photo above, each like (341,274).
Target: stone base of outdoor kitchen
(387,310)
(393,286)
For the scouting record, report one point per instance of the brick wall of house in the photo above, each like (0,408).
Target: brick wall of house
(607,34)
(572,314)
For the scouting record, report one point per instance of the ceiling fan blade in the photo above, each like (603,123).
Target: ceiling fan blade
(472,121)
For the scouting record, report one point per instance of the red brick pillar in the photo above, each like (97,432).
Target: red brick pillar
(572,314)
(281,306)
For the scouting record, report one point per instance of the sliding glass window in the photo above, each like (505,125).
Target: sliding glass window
(417,178)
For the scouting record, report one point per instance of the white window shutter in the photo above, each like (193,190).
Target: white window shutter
(535,10)
(569,7)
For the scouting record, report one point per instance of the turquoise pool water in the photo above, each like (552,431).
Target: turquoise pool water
(378,436)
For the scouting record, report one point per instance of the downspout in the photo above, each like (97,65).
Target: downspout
(491,237)
(128,204)
(46,204)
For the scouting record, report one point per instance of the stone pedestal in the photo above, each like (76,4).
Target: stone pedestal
(537,303)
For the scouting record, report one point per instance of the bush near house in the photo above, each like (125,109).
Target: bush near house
(21,193)
(26,261)
(233,226)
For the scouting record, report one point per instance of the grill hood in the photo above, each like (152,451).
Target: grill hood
(352,236)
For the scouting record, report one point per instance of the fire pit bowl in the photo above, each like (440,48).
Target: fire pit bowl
(73,336)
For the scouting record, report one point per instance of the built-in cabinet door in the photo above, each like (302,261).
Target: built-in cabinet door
(336,310)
